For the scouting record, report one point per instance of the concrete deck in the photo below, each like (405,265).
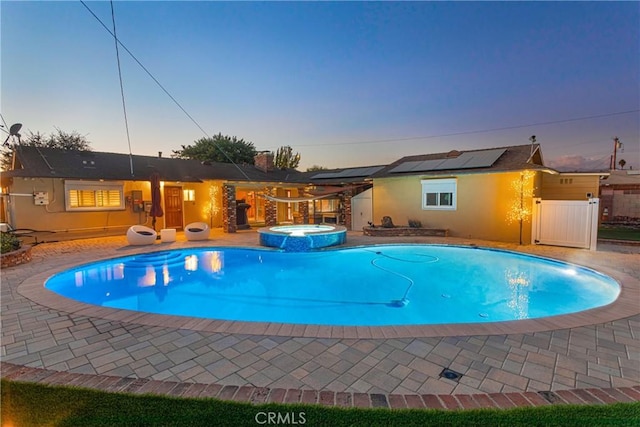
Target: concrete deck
(593,357)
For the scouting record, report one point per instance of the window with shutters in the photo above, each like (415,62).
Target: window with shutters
(93,196)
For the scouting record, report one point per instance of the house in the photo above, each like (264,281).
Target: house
(50,189)
(620,197)
(484,194)
(479,194)
(58,190)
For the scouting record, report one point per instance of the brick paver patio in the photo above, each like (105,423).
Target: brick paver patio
(584,359)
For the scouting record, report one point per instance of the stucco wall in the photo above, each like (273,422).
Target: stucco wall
(569,187)
(207,206)
(23,213)
(482,204)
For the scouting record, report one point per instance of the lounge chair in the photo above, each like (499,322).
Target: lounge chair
(141,235)
(197,231)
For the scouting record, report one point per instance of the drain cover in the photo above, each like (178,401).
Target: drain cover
(549,396)
(450,374)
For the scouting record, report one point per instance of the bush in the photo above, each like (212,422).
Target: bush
(9,243)
(415,223)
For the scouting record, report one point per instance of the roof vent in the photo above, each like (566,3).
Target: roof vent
(453,153)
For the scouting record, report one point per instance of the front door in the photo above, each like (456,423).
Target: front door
(172,207)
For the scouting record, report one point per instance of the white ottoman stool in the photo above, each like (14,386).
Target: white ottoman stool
(168,235)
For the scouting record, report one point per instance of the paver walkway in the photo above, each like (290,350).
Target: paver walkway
(594,363)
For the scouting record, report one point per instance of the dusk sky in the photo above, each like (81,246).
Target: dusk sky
(343,84)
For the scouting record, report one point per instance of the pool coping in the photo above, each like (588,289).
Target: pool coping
(624,306)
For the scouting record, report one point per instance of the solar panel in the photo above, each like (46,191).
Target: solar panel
(484,159)
(324,175)
(404,167)
(468,160)
(349,173)
(456,162)
(366,171)
(429,165)
(341,174)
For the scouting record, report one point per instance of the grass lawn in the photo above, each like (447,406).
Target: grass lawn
(619,233)
(26,404)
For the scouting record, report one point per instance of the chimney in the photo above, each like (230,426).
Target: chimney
(264,161)
(159,154)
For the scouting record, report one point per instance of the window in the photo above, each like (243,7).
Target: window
(189,195)
(439,194)
(93,196)
(325,205)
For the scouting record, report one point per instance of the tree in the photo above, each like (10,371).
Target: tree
(315,168)
(67,141)
(622,162)
(60,139)
(224,149)
(520,203)
(285,159)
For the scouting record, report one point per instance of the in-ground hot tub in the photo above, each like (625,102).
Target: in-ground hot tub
(302,238)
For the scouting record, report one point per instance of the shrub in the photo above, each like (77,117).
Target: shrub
(415,223)
(9,243)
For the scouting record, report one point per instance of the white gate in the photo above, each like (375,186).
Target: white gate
(361,210)
(572,223)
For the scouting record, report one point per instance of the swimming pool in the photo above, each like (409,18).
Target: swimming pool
(361,286)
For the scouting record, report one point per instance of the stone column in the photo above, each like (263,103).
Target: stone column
(229,223)
(345,208)
(303,210)
(270,208)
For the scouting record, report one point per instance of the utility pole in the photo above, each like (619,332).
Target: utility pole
(616,144)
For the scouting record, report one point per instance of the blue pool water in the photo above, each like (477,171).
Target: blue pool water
(362,286)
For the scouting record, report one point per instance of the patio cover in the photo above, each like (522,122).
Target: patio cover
(296,199)
(314,195)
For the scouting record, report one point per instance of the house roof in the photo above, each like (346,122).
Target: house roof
(39,162)
(626,178)
(499,159)
(72,164)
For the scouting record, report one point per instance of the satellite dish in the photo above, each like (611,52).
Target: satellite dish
(15,128)
(13,131)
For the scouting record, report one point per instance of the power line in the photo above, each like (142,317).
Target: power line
(470,132)
(118,42)
(162,87)
(124,107)
(602,141)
